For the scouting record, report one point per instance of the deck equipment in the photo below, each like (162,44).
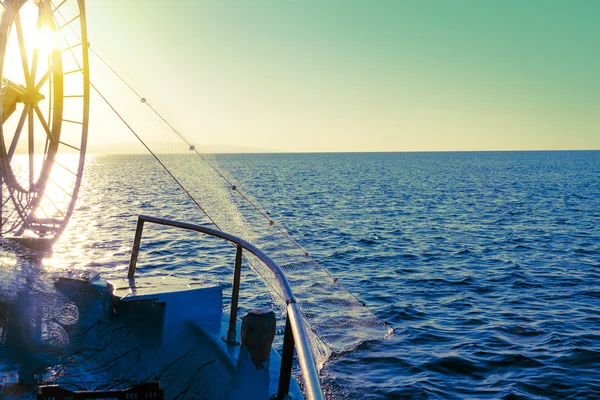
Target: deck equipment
(45,112)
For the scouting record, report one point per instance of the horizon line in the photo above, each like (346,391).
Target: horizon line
(363,152)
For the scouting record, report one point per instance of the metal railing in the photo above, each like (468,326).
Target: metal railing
(295,335)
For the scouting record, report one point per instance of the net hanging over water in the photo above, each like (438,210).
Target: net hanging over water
(337,320)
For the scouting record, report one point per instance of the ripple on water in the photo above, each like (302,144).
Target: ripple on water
(486,264)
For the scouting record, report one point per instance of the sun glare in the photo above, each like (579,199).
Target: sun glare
(46,39)
(39,37)
(41,31)
(32,51)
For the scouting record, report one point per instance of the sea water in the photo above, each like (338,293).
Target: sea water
(487,264)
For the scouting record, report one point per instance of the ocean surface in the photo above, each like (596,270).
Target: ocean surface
(486,264)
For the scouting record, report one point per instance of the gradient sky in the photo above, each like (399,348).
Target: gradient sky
(333,75)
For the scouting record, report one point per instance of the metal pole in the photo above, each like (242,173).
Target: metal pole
(307,362)
(136,248)
(299,341)
(31,141)
(235,293)
(287,355)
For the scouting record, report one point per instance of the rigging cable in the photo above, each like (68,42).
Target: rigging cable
(193,148)
(151,152)
(123,119)
(143,100)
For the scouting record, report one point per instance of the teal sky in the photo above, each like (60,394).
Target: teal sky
(363,75)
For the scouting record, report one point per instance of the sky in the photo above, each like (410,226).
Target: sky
(314,76)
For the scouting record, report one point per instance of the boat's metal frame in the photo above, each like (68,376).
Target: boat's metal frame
(33,209)
(295,335)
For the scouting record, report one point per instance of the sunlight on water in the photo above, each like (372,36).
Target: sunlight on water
(58,185)
(489,278)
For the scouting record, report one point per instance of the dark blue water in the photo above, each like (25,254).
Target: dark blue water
(487,265)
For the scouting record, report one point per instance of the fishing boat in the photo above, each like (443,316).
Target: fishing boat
(136,336)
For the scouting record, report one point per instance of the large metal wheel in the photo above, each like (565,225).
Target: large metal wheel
(44,114)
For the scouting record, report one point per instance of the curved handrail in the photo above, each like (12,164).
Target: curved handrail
(295,322)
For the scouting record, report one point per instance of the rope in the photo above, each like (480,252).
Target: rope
(151,152)
(143,100)
(189,144)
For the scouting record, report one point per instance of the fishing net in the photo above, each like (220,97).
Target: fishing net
(337,320)
(47,337)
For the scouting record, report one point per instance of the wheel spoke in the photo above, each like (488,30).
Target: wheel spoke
(68,23)
(6,201)
(34,60)
(40,208)
(54,204)
(44,123)
(65,191)
(47,141)
(31,149)
(70,145)
(43,79)
(72,122)
(70,48)
(65,168)
(13,144)
(59,6)
(45,195)
(73,71)
(22,49)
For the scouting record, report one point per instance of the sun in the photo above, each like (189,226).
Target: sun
(31,64)
(37,40)
(32,49)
